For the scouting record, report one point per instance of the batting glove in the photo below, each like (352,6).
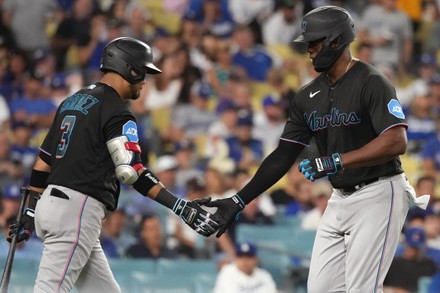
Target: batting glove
(320,167)
(228,210)
(194,216)
(25,228)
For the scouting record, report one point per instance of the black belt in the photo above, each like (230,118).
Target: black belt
(58,193)
(351,189)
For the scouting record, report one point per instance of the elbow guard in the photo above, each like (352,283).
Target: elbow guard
(126,157)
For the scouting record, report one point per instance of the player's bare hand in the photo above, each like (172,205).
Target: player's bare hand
(320,167)
(200,220)
(228,210)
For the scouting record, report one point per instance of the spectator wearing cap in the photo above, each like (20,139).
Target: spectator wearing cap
(421,122)
(282,26)
(270,122)
(243,274)
(222,127)
(420,85)
(430,153)
(412,264)
(32,105)
(321,192)
(243,147)
(60,88)
(187,159)
(10,201)
(192,121)
(21,148)
(166,170)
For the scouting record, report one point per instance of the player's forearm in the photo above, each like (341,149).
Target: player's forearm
(385,147)
(271,170)
(39,175)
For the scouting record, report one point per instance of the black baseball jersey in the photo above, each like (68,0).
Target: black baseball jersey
(345,116)
(75,146)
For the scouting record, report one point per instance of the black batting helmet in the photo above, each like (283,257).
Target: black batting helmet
(122,55)
(329,23)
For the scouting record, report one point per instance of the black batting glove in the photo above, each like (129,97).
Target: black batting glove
(320,167)
(25,228)
(228,210)
(194,216)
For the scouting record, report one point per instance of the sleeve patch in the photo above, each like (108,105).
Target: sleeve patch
(130,130)
(395,109)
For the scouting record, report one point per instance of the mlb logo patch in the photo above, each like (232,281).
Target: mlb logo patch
(395,109)
(130,130)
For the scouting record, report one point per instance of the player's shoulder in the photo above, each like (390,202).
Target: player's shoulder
(370,74)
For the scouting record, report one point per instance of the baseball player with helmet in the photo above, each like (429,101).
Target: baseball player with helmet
(353,113)
(90,148)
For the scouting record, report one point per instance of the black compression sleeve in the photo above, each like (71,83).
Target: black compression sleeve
(271,170)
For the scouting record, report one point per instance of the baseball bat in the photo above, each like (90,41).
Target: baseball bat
(4,284)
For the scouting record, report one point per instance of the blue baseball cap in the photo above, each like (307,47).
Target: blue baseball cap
(12,191)
(225,105)
(435,79)
(428,59)
(245,118)
(246,249)
(415,237)
(270,100)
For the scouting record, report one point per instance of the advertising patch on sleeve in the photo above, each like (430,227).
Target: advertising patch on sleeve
(395,109)
(130,130)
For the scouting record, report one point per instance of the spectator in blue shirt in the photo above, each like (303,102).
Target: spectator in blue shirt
(32,106)
(431,152)
(254,59)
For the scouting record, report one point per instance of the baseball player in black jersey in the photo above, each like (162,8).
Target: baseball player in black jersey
(353,113)
(91,146)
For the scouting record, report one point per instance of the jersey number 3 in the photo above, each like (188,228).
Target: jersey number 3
(67,128)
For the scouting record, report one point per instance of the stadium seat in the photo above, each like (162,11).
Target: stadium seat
(424,283)
(142,283)
(186,267)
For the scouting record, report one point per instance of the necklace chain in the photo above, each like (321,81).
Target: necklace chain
(350,63)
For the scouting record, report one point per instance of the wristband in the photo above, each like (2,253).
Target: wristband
(39,179)
(237,199)
(337,160)
(145,182)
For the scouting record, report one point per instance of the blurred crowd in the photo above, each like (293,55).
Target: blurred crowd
(219,107)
